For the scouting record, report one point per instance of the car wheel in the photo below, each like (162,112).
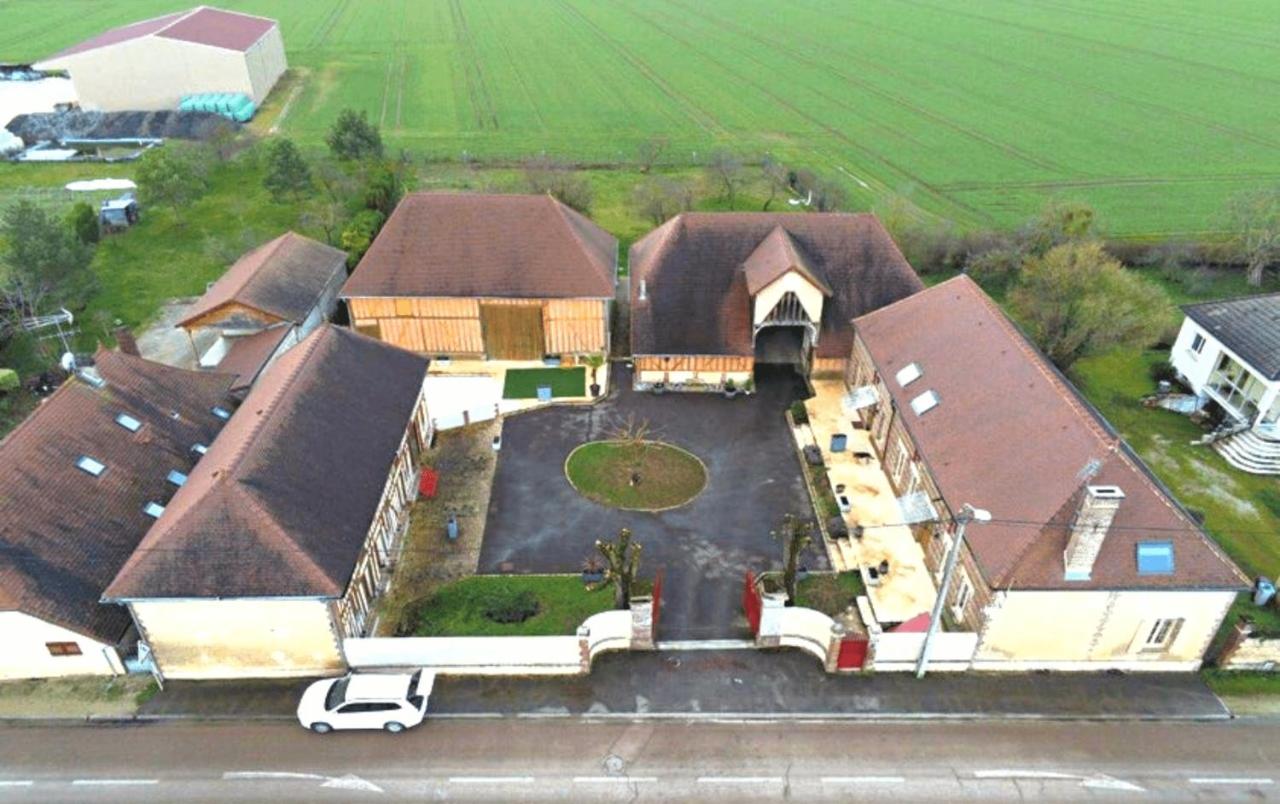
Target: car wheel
(321,728)
(394,727)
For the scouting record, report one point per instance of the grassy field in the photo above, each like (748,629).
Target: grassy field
(606,471)
(1152,112)
(464,608)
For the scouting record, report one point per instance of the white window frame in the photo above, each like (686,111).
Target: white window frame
(964,593)
(1197,344)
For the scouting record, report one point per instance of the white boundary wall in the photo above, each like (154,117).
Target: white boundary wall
(496,656)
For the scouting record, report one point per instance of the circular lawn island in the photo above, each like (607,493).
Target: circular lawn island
(635,475)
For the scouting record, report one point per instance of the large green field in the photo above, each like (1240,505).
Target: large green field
(1154,111)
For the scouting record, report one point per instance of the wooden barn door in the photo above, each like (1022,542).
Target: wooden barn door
(512,331)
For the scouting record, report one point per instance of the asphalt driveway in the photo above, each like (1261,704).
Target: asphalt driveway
(538,523)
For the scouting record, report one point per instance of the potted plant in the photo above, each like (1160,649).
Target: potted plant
(592,570)
(594,362)
(730,388)
(749,387)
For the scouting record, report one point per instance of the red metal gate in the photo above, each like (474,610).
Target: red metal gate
(853,653)
(751,602)
(657,604)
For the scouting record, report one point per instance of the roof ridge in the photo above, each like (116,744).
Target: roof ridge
(672,227)
(562,210)
(250,498)
(904,299)
(181,15)
(1230,299)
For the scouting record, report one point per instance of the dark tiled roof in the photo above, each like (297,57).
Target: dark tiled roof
(207,26)
(1248,326)
(1011,435)
(697,286)
(63,533)
(283,278)
(777,254)
(474,245)
(248,354)
(282,502)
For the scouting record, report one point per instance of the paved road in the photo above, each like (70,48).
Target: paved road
(538,523)
(732,761)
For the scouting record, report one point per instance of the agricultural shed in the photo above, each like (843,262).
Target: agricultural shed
(503,277)
(715,294)
(152,64)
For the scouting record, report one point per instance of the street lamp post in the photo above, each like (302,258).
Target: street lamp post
(967,514)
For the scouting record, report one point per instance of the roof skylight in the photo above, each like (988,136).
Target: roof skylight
(908,374)
(925,402)
(199,449)
(1155,558)
(221,412)
(128,422)
(93,467)
(177,478)
(153,510)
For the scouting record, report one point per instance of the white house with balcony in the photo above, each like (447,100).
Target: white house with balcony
(1228,352)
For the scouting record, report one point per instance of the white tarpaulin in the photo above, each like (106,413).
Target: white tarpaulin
(917,507)
(860,398)
(94,185)
(30,97)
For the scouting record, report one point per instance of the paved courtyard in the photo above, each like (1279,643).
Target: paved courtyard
(538,523)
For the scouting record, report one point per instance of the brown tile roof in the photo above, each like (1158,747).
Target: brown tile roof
(699,300)
(777,254)
(282,502)
(64,533)
(1011,435)
(229,30)
(248,354)
(474,245)
(284,278)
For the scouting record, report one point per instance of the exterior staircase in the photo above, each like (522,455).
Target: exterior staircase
(1255,450)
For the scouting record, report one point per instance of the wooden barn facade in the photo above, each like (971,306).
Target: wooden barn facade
(714,296)
(496,277)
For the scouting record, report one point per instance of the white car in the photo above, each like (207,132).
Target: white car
(366,701)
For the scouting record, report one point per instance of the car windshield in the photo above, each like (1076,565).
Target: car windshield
(337,693)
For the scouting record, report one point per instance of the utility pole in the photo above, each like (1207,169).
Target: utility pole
(967,514)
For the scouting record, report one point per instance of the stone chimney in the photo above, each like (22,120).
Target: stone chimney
(127,343)
(1098,506)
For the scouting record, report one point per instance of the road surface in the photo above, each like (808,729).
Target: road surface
(539,760)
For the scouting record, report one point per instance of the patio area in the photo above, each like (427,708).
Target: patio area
(908,589)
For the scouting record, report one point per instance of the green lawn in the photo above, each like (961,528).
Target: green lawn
(976,111)
(637,477)
(459,609)
(523,383)
(829,593)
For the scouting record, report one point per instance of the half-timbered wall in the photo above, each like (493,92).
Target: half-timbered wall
(712,370)
(452,326)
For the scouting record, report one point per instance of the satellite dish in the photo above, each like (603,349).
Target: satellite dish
(68,362)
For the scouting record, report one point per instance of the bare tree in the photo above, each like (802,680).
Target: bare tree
(659,199)
(776,178)
(1255,218)
(543,174)
(795,535)
(650,151)
(725,169)
(825,195)
(635,435)
(622,563)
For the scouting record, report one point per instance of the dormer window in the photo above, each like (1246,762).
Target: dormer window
(177,478)
(91,466)
(221,412)
(128,422)
(925,402)
(908,374)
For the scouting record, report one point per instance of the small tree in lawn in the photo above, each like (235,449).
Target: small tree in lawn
(288,174)
(622,563)
(1255,217)
(635,435)
(795,535)
(353,137)
(594,362)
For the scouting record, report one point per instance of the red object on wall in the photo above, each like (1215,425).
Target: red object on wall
(657,604)
(428,482)
(853,654)
(751,602)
